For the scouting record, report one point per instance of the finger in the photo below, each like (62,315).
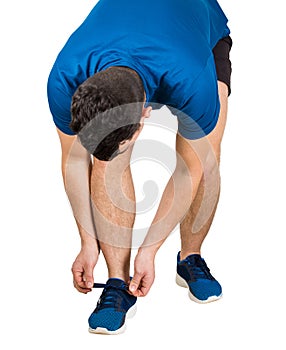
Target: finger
(78,278)
(144,290)
(88,277)
(144,286)
(138,293)
(81,289)
(79,282)
(141,291)
(135,283)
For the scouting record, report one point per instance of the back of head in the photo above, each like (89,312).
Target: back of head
(106,109)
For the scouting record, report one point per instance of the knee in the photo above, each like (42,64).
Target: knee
(198,159)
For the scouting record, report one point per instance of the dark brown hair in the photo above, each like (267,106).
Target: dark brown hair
(106,110)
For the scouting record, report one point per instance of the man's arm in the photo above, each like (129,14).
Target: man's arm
(194,158)
(76,169)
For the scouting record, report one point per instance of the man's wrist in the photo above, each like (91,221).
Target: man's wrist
(87,238)
(148,251)
(90,245)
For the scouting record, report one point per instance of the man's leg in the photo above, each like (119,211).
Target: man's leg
(193,228)
(113,198)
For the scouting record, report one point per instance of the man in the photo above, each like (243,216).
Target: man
(124,57)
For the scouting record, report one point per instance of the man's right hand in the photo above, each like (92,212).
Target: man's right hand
(82,269)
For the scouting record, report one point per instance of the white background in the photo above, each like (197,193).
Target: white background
(245,248)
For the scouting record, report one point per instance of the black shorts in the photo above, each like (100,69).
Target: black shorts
(223,64)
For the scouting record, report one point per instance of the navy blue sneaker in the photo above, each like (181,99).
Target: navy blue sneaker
(194,274)
(113,307)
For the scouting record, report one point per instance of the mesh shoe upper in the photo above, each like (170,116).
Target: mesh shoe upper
(112,305)
(196,273)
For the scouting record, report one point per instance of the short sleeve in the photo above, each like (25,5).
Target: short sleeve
(59,102)
(198,116)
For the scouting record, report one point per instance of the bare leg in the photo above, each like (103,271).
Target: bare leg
(194,229)
(113,197)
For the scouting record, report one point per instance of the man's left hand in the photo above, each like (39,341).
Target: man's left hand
(144,273)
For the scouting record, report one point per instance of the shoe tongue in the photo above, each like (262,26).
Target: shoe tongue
(116,282)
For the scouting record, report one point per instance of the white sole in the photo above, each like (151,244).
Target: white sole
(182,283)
(100,330)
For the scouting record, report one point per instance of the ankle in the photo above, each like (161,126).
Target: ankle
(186,253)
(122,276)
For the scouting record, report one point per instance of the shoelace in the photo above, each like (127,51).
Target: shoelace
(109,297)
(199,269)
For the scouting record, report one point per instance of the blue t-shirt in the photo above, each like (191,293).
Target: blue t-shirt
(167,42)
